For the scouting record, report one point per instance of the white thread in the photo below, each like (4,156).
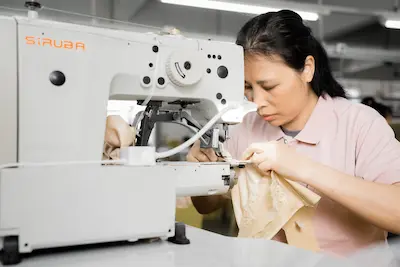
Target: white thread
(198,135)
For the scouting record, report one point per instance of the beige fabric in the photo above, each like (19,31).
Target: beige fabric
(265,204)
(118,134)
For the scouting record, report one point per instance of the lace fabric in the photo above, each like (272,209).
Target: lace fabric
(265,204)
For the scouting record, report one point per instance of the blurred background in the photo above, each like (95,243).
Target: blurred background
(362,38)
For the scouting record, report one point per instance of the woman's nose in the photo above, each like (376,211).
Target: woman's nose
(258,99)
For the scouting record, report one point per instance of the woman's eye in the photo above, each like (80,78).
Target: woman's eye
(268,88)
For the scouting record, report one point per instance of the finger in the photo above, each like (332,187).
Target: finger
(191,158)
(195,149)
(221,159)
(250,152)
(265,166)
(210,154)
(201,157)
(258,158)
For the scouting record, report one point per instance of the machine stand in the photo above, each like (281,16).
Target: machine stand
(180,235)
(11,253)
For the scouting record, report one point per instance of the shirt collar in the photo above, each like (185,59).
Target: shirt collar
(317,123)
(276,133)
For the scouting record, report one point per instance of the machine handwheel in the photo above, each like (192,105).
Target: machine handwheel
(11,253)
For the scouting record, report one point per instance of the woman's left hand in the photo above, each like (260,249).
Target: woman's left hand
(280,158)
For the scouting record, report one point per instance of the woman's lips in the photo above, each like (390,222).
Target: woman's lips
(268,117)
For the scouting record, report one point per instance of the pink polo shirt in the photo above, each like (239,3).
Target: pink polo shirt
(349,137)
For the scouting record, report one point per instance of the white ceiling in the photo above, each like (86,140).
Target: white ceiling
(202,21)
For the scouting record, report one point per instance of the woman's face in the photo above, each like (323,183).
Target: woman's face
(281,93)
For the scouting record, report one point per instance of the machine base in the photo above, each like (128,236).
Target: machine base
(56,206)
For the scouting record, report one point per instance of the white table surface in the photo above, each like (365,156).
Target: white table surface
(205,250)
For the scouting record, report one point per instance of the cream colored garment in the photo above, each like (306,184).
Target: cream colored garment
(118,134)
(264,205)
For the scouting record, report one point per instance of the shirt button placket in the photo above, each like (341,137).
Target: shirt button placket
(289,141)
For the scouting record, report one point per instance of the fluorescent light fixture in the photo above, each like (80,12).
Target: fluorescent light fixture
(236,7)
(353,92)
(392,24)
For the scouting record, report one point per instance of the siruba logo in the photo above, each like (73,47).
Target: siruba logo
(60,44)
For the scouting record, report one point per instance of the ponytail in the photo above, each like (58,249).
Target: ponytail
(323,80)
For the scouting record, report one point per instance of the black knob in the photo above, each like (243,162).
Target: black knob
(146,80)
(187,65)
(32,4)
(222,72)
(57,78)
(155,49)
(161,81)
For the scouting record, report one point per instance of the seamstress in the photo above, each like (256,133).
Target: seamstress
(344,151)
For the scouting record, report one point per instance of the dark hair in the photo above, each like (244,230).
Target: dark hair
(283,33)
(381,108)
(369,101)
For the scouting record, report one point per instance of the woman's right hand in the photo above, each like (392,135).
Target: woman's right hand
(197,154)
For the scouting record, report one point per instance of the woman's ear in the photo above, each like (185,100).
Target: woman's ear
(309,69)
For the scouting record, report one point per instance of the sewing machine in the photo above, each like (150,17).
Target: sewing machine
(56,80)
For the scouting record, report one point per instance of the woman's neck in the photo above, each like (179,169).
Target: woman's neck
(298,123)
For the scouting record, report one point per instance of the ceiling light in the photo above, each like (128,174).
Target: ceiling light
(236,7)
(392,24)
(353,92)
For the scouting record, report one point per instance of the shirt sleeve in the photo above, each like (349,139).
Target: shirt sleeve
(378,153)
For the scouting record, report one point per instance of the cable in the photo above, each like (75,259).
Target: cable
(31,164)
(197,136)
(193,129)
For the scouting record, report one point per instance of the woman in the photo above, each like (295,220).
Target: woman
(344,151)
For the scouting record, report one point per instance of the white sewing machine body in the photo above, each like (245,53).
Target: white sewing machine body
(56,81)
(67,122)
